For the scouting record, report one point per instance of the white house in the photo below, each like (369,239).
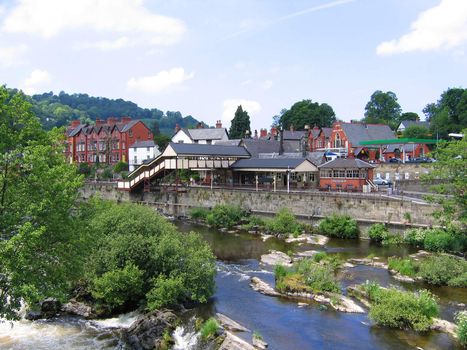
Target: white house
(203,136)
(406,123)
(141,151)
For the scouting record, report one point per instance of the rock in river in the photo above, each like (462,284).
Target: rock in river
(276,258)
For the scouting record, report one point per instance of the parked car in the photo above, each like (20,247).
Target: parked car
(379,181)
(395,160)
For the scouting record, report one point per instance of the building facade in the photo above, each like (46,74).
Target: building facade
(105,142)
(140,152)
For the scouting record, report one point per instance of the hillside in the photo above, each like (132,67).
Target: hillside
(59,110)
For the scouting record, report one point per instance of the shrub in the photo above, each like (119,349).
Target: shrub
(438,240)
(84,169)
(461,320)
(254,221)
(121,166)
(320,278)
(378,232)
(319,256)
(339,226)
(284,223)
(167,291)
(223,215)
(117,287)
(209,328)
(415,236)
(398,309)
(443,269)
(394,239)
(403,266)
(199,213)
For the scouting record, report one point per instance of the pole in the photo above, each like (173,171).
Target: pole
(212,179)
(288,180)
(256,178)
(275,176)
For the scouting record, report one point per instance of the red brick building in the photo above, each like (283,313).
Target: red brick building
(345,175)
(319,138)
(106,141)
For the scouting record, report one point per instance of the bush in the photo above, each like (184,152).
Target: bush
(444,269)
(405,310)
(403,266)
(120,166)
(223,215)
(117,287)
(394,239)
(438,240)
(174,267)
(378,232)
(199,213)
(254,221)
(415,236)
(209,328)
(461,321)
(319,256)
(339,226)
(284,223)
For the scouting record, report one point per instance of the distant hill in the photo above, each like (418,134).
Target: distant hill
(59,110)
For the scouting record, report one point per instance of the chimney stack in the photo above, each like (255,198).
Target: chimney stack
(281,144)
(126,120)
(199,125)
(75,123)
(263,133)
(219,124)
(177,128)
(256,134)
(274,132)
(100,122)
(111,121)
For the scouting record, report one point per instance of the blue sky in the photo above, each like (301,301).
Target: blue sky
(205,57)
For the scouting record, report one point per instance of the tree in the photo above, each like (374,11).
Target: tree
(450,168)
(409,116)
(41,245)
(307,112)
(240,124)
(383,108)
(161,141)
(449,113)
(417,132)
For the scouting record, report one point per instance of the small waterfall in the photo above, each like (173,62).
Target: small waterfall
(186,337)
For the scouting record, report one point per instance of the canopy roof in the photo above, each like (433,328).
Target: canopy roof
(398,141)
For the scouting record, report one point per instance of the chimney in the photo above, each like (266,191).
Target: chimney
(75,123)
(99,122)
(256,134)
(199,125)
(177,128)
(274,132)
(111,121)
(219,124)
(281,144)
(263,133)
(126,120)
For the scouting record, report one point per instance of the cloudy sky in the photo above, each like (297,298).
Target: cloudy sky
(204,57)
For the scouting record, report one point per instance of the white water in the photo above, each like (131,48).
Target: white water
(185,337)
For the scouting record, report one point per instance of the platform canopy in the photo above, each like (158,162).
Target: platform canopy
(404,141)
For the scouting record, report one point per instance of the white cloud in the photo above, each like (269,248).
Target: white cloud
(441,27)
(231,105)
(12,55)
(106,45)
(38,79)
(49,18)
(267,84)
(163,80)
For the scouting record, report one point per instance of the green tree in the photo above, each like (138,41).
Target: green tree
(240,124)
(41,246)
(409,116)
(450,168)
(449,113)
(417,131)
(383,108)
(307,112)
(161,141)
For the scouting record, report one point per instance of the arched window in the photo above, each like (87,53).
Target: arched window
(337,141)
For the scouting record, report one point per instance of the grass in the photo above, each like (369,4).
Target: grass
(209,328)
(403,266)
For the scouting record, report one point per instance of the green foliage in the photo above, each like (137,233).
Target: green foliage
(383,108)
(444,269)
(284,222)
(394,239)
(175,267)
(225,215)
(84,168)
(209,328)
(240,124)
(378,232)
(398,309)
(340,226)
(461,321)
(438,240)
(404,266)
(41,245)
(199,213)
(415,236)
(120,166)
(417,132)
(254,221)
(319,256)
(307,112)
(118,286)
(162,141)
(306,276)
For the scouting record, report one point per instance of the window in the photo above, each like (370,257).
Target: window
(148,149)
(130,133)
(123,145)
(209,142)
(134,149)
(311,177)
(135,160)
(148,157)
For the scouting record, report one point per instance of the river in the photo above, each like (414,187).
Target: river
(283,323)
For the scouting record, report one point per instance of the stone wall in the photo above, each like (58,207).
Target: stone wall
(408,171)
(314,205)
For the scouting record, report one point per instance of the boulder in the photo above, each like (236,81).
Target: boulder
(260,286)
(146,333)
(444,326)
(50,307)
(74,307)
(276,257)
(232,342)
(259,343)
(33,315)
(229,324)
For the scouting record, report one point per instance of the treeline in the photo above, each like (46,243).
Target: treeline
(58,110)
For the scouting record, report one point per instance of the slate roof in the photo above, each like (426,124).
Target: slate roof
(272,163)
(235,142)
(407,123)
(87,129)
(206,134)
(257,146)
(327,132)
(143,144)
(349,163)
(357,132)
(127,126)
(209,150)
(317,158)
(294,135)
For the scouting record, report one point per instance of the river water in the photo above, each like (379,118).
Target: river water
(283,323)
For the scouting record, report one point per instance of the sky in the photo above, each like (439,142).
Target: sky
(205,57)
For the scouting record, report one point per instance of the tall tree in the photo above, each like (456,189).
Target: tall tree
(240,124)
(449,113)
(409,116)
(417,132)
(307,112)
(40,246)
(383,108)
